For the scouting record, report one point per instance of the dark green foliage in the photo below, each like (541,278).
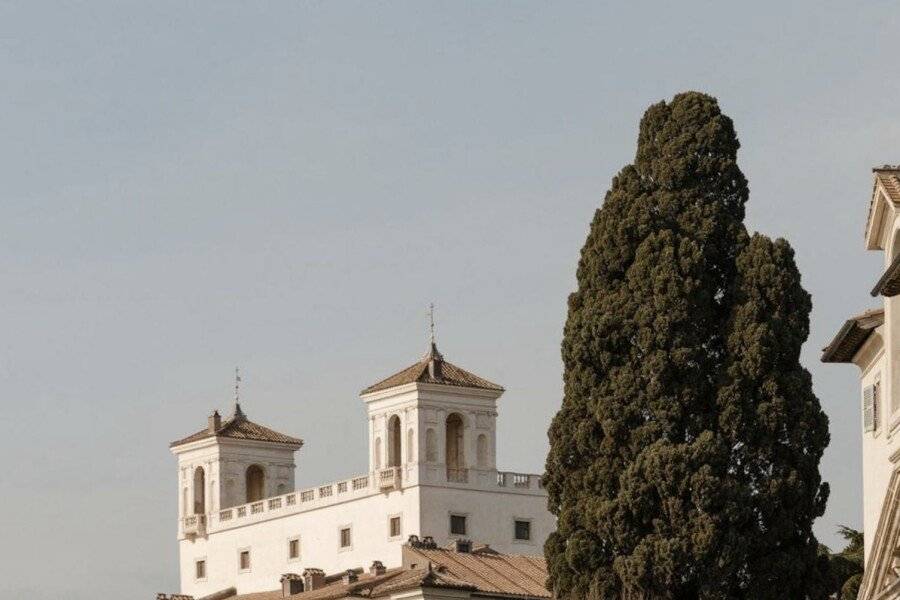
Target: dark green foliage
(846,567)
(684,459)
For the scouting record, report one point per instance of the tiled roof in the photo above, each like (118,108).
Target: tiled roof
(445,373)
(242,428)
(484,572)
(369,586)
(887,177)
(852,335)
(491,572)
(890,181)
(889,282)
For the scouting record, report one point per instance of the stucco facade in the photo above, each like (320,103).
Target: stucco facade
(871,341)
(432,457)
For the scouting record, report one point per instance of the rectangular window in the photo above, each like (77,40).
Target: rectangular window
(244,560)
(345,537)
(457,525)
(294,549)
(394,527)
(523,530)
(870,408)
(200,569)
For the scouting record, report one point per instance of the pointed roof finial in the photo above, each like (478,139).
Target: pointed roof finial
(237,393)
(431,319)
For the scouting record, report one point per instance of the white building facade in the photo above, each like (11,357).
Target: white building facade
(432,472)
(871,341)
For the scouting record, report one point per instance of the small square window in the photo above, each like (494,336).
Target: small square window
(457,525)
(294,549)
(523,530)
(244,560)
(345,537)
(394,527)
(200,569)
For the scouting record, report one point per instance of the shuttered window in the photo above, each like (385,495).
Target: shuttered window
(870,408)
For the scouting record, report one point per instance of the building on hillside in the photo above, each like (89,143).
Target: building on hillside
(432,472)
(459,572)
(871,341)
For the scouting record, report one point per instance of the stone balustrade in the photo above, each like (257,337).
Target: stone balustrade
(527,481)
(380,481)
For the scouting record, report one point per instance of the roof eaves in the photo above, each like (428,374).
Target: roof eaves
(851,336)
(889,282)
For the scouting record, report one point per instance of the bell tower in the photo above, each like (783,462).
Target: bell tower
(229,463)
(433,422)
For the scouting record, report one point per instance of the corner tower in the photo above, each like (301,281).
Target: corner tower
(432,423)
(229,463)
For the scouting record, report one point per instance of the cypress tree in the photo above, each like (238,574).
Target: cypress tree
(683,462)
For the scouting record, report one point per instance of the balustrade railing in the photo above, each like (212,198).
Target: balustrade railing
(389,478)
(383,479)
(518,480)
(197,523)
(194,524)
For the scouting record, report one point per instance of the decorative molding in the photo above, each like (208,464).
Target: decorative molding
(881,574)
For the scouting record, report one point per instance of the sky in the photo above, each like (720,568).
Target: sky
(286,186)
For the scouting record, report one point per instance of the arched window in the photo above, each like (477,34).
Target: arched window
(456,457)
(256,483)
(430,445)
(377,453)
(410,451)
(394,441)
(482,451)
(199,491)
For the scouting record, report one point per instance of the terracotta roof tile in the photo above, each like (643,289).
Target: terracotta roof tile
(240,427)
(491,572)
(851,336)
(487,573)
(889,282)
(446,374)
(891,182)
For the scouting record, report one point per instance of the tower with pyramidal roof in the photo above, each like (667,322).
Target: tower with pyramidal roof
(432,475)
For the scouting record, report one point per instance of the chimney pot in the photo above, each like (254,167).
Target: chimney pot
(349,577)
(215,422)
(462,546)
(291,583)
(313,579)
(377,568)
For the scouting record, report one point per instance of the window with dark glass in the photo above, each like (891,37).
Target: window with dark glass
(245,560)
(457,525)
(523,530)
(345,537)
(294,548)
(395,526)
(201,569)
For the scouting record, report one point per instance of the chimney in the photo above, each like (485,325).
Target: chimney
(462,546)
(313,579)
(377,568)
(215,422)
(291,583)
(349,577)
(428,542)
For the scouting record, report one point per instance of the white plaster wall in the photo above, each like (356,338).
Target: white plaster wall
(225,464)
(490,517)
(319,544)
(875,452)
(424,510)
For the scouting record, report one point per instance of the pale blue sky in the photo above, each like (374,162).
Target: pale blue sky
(285,186)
